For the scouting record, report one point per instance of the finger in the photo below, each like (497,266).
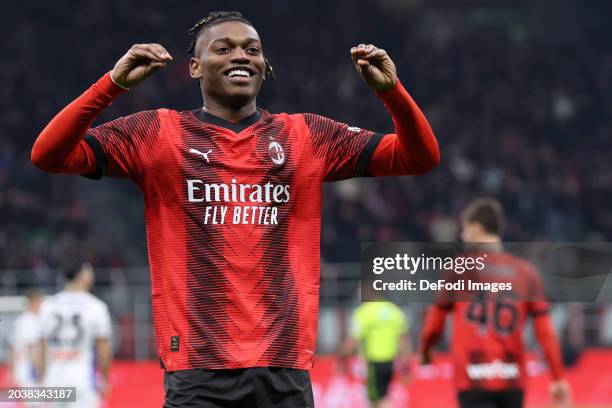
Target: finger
(154,66)
(360,60)
(356,59)
(376,54)
(356,51)
(364,51)
(162,51)
(139,52)
(149,51)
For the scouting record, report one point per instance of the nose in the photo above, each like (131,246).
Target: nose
(239,55)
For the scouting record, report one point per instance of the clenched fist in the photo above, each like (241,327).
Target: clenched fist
(375,66)
(138,63)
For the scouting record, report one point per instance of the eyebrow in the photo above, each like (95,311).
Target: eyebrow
(231,40)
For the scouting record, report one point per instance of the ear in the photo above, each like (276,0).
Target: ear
(195,70)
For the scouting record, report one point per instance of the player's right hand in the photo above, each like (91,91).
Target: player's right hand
(138,63)
(561,394)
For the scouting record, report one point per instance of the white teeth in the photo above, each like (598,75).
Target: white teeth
(238,72)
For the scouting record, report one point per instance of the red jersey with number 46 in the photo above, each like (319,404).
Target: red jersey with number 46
(233,227)
(487,342)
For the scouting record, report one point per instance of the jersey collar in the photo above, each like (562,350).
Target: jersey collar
(235,127)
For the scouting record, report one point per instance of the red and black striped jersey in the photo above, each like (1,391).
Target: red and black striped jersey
(232,213)
(233,216)
(487,345)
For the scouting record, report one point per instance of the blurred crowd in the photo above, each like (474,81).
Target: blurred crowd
(519,95)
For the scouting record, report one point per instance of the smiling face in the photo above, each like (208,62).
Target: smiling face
(229,63)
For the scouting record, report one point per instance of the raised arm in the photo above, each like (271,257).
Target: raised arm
(60,147)
(413,148)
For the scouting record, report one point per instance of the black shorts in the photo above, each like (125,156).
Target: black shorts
(491,399)
(247,387)
(379,378)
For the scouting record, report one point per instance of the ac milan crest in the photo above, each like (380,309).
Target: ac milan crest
(276,153)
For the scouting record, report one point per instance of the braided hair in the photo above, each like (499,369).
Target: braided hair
(218,17)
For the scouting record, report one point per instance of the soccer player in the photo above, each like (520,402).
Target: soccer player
(232,197)
(487,342)
(25,358)
(379,328)
(77,338)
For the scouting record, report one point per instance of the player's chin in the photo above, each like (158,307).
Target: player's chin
(243,90)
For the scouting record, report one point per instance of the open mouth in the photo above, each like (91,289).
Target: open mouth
(239,73)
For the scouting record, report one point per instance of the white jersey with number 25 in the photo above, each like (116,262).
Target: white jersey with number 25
(72,322)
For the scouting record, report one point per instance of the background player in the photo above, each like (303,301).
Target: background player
(380,330)
(25,355)
(77,338)
(487,342)
(233,206)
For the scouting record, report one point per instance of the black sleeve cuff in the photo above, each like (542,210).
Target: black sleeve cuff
(366,155)
(101,159)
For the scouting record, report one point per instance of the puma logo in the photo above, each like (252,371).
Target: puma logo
(199,153)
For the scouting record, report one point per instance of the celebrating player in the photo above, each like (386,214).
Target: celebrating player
(77,339)
(487,342)
(232,197)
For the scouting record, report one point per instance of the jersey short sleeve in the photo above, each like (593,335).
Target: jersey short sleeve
(123,146)
(537,303)
(344,150)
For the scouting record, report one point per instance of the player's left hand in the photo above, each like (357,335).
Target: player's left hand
(375,66)
(561,394)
